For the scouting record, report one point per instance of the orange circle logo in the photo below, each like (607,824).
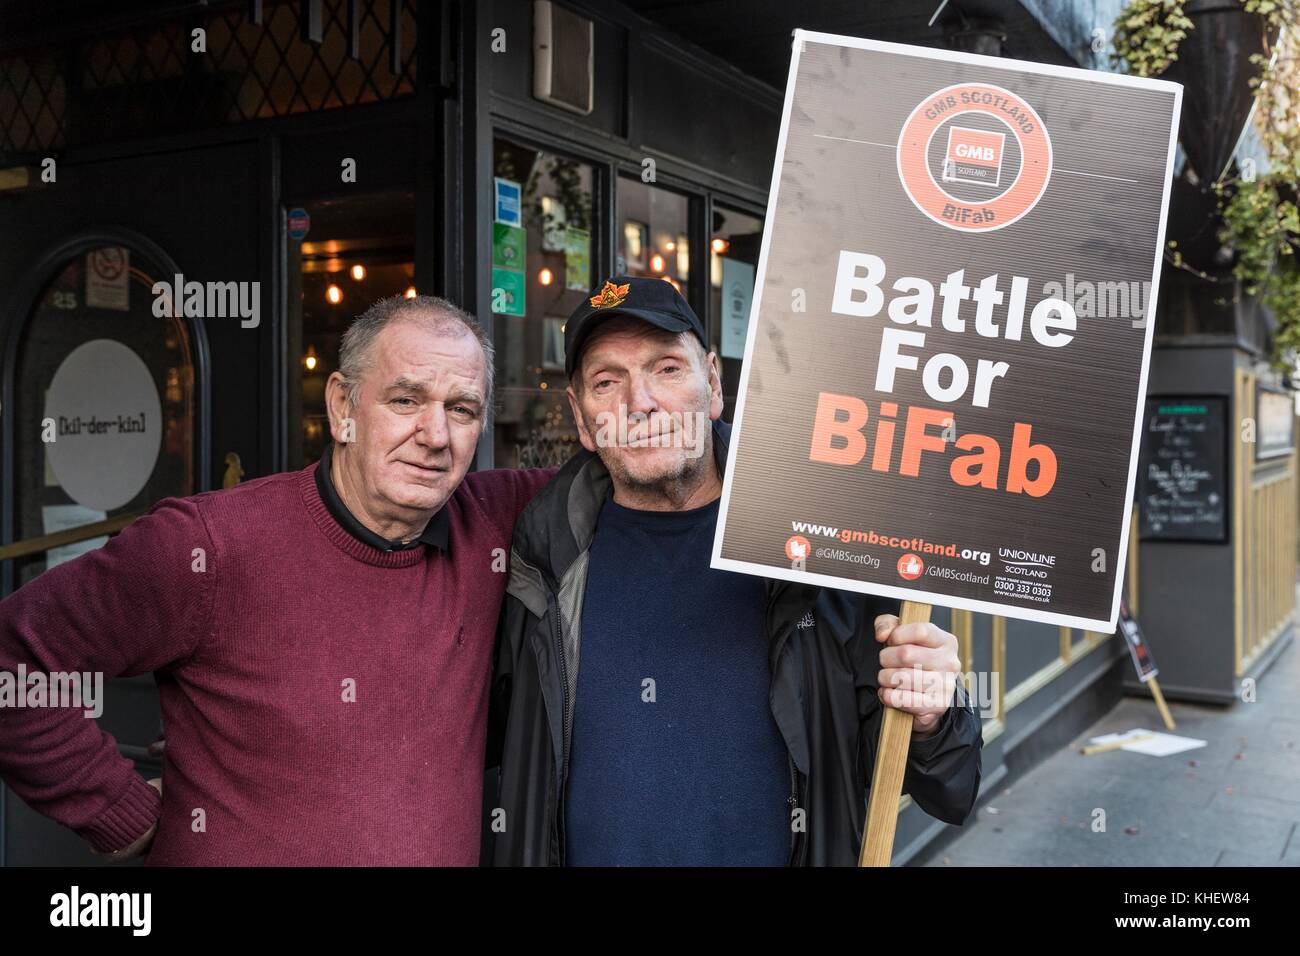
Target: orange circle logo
(910,567)
(974,157)
(798,548)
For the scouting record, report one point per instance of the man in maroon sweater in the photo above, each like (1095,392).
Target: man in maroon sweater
(321,639)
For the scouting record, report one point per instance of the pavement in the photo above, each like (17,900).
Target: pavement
(1234,802)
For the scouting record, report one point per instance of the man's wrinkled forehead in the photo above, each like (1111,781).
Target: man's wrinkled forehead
(626,326)
(410,342)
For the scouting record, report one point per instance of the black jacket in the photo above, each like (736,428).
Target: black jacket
(824,662)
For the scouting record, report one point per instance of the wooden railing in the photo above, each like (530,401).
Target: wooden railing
(28,546)
(37,545)
(1264,536)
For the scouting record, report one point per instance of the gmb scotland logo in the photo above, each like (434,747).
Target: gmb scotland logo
(974,157)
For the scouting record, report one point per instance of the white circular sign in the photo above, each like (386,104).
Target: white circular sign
(107,422)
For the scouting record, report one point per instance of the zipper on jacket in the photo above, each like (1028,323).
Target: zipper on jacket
(793,800)
(557,632)
(796,845)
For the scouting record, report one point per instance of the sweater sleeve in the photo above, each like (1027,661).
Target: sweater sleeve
(140,603)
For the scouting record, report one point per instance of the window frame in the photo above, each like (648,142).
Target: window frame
(608,159)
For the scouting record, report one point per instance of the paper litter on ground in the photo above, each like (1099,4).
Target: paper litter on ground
(1158,745)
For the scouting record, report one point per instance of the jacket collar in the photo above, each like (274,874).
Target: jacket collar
(559,523)
(556,529)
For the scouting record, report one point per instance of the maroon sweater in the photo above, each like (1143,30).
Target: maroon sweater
(257,659)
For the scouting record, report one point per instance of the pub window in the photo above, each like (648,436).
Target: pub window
(345,254)
(733,262)
(653,234)
(541,271)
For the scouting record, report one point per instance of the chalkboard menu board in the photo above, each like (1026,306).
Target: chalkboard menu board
(1183,472)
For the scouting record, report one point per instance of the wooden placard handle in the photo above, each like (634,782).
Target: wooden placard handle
(1167,717)
(891,763)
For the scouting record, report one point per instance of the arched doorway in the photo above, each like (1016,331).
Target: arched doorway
(101,395)
(104,398)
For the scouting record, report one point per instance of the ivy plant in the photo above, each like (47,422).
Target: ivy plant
(1258,210)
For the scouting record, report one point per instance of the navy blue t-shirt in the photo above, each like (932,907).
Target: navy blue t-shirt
(676,759)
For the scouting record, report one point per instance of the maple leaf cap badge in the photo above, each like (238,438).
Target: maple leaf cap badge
(610,295)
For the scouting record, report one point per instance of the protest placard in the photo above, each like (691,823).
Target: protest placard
(950,332)
(949,339)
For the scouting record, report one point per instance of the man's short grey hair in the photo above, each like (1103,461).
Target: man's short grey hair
(440,315)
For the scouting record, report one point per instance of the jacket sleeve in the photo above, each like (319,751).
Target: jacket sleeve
(515,621)
(133,606)
(512,622)
(508,624)
(518,777)
(943,770)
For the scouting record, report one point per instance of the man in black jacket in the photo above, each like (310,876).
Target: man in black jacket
(650,710)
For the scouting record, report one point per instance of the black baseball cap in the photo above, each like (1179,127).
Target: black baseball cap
(651,300)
